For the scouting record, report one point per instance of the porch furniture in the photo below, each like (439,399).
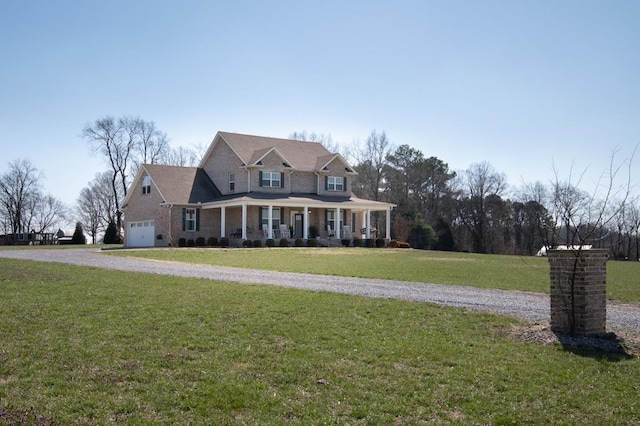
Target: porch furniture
(284,231)
(237,233)
(330,232)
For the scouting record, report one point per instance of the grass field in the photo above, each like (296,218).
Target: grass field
(87,346)
(478,270)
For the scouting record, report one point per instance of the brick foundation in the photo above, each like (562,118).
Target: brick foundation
(588,300)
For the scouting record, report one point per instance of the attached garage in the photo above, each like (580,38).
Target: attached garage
(141,234)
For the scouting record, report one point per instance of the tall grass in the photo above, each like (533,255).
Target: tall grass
(88,346)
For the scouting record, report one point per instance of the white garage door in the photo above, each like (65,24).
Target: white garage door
(141,234)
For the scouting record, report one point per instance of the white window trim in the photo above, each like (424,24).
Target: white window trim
(271,177)
(335,183)
(190,219)
(232,182)
(146,185)
(276,217)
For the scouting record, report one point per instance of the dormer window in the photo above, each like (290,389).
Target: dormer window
(271,179)
(146,185)
(335,183)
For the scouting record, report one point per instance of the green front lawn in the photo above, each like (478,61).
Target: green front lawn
(88,346)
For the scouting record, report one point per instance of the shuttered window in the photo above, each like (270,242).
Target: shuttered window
(272,179)
(190,219)
(335,183)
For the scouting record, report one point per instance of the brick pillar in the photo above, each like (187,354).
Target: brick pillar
(583,309)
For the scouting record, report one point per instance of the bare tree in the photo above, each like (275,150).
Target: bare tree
(88,207)
(325,139)
(18,187)
(181,156)
(587,215)
(117,140)
(24,208)
(152,146)
(370,159)
(48,213)
(96,205)
(537,201)
(633,226)
(479,182)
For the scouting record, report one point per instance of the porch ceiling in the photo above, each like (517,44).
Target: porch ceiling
(298,200)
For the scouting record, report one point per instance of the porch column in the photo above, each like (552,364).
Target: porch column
(388,230)
(223,221)
(270,222)
(338,223)
(305,225)
(368,224)
(244,221)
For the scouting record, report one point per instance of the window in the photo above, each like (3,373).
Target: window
(335,183)
(190,219)
(232,182)
(330,219)
(271,179)
(275,218)
(146,185)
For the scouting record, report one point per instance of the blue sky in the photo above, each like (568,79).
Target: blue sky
(520,84)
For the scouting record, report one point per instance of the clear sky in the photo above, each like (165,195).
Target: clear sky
(520,84)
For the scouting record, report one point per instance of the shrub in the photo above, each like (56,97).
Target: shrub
(111,234)
(191,242)
(380,242)
(312,242)
(404,244)
(78,235)
(271,243)
(370,242)
(200,241)
(345,242)
(212,241)
(224,242)
(357,242)
(393,244)
(284,242)
(182,242)
(247,243)
(313,231)
(299,242)
(257,243)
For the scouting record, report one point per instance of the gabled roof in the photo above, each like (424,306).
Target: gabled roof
(325,160)
(260,154)
(298,154)
(179,185)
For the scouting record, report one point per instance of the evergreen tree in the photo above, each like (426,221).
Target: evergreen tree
(78,235)
(111,234)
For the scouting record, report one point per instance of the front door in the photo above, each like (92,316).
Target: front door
(298,225)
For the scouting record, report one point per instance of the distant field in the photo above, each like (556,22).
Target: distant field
(477,270)
(87,346)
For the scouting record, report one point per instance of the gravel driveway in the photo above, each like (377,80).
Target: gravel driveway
(533,307)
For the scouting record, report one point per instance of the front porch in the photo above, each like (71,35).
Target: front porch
(331,219)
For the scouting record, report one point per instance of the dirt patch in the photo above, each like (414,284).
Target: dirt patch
(626,342)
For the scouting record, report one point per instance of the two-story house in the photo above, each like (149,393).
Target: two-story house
(249,187)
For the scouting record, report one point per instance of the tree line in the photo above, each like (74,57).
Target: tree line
(473,210)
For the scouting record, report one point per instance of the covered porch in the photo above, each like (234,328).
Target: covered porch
(264,216)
